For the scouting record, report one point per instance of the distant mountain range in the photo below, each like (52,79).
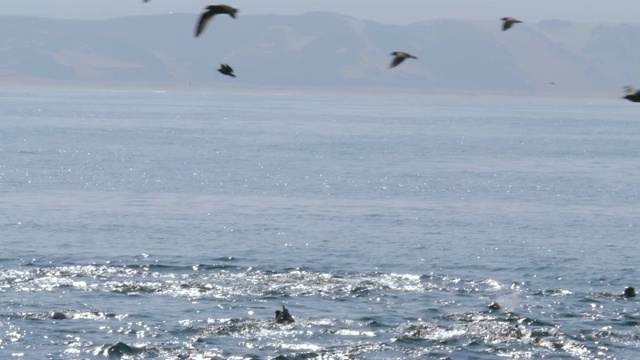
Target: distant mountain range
(322,49)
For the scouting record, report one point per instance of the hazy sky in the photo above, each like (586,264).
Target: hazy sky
(384,11)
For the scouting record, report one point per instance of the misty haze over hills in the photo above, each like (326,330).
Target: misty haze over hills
(322,49)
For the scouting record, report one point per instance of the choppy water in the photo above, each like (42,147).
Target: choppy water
(176,223)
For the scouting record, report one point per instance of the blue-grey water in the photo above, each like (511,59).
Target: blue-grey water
(173,225)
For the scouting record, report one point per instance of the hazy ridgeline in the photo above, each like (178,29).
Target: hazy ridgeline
(323,49)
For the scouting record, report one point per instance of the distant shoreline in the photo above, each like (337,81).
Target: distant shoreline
(319,50)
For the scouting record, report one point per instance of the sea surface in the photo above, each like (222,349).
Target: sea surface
(173,224)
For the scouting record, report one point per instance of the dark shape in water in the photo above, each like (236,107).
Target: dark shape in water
(632,94)
(494,306)
(226,70)
(399,57)
(213,10)
(121,349)
(629,292)
(57,315)
(283,317)
(507,22)
(516,331)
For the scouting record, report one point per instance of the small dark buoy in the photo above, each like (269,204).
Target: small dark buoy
(507,22)
(399,57)
(283,317)
(226,70)
(213,10)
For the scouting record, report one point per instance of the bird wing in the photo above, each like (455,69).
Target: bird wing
(396,61)
(286,315)
(223,9)
(629,90)
(506,25)
(229,10)
(204,19)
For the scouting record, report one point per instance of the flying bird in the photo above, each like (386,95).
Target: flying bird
(632,94)
(508,22)
(226,70)
(213,10)
(399,57)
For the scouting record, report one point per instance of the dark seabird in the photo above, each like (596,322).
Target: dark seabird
(120,350)
(516,331)
(629,292)
(494,306)
(213,10)
(508,22)
(632,94)
(283,317)
(57,315)
(226,70)
(399,57)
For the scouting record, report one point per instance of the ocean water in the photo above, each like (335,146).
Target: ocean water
(172,225)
